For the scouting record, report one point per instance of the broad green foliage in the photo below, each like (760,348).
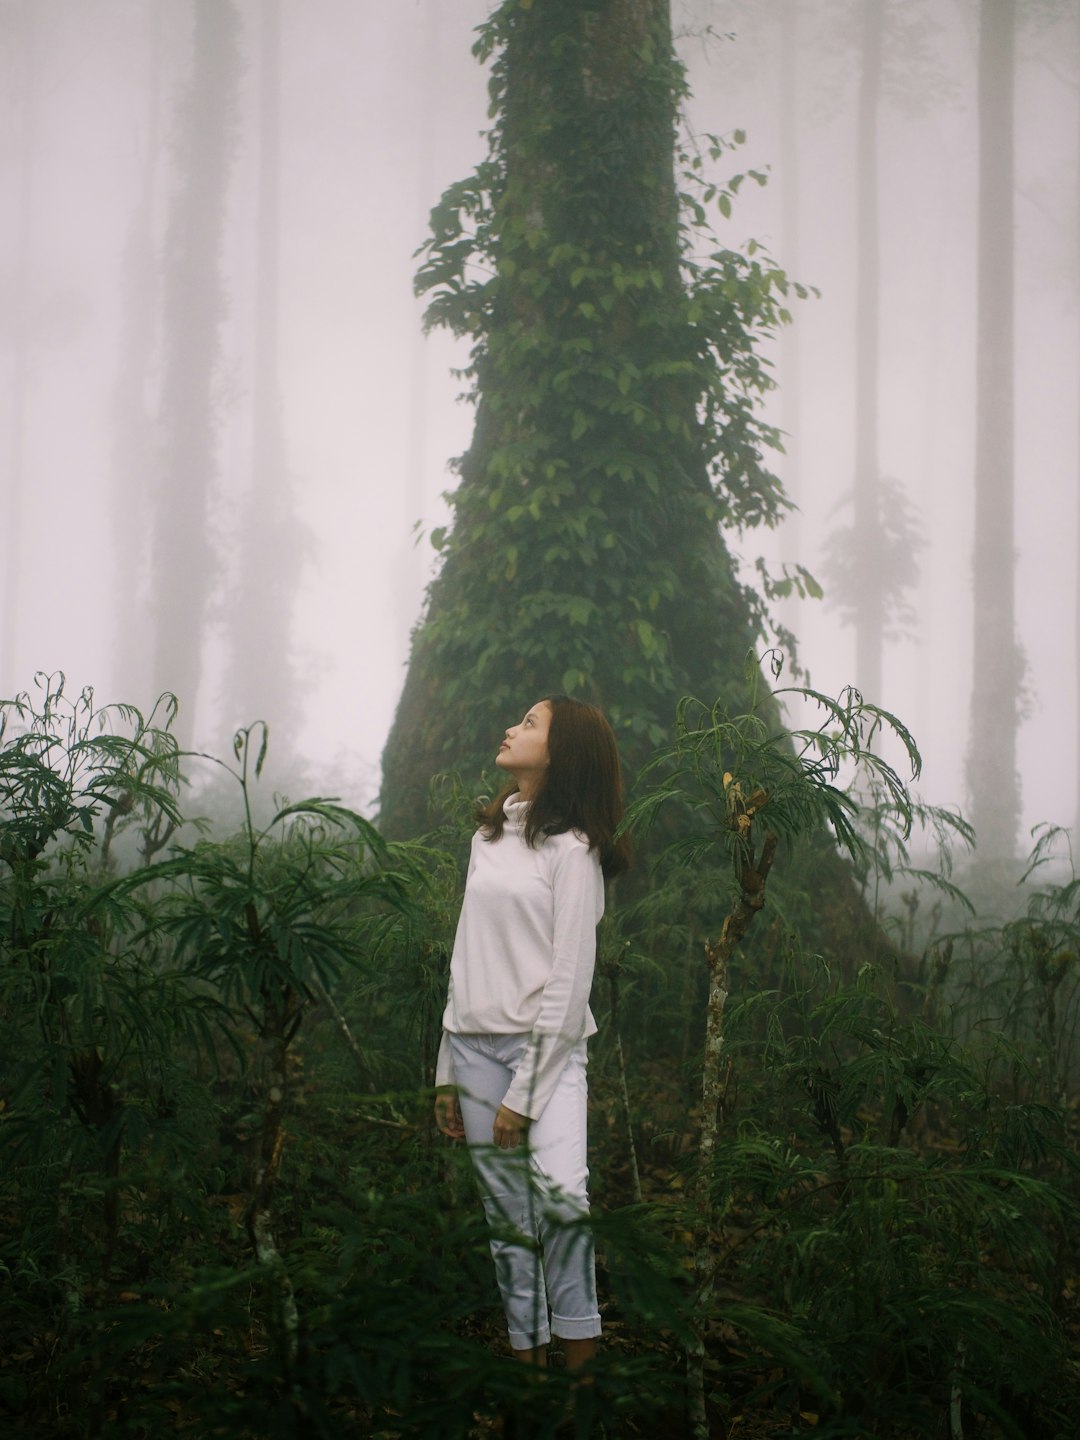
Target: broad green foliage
(131,1005)
(274,910)
(70,780)
(746,773)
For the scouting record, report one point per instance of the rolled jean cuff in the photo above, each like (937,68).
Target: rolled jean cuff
(529,1339)
(586,1329)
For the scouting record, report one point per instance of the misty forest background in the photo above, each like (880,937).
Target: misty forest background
(760,358)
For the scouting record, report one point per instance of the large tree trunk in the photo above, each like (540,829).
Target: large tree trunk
(586,553)
(185,562)
(995,702)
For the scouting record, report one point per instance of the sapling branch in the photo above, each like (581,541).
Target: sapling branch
(612,970)
(750,899)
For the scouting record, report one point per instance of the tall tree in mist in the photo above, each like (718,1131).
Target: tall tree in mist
(872,564)
(790,225)
(993,782)
(185,565)
(20,36)
(260,677)
(749,47)
(765,45)
(135,454)
(886,45)
(616,426)
(866,531)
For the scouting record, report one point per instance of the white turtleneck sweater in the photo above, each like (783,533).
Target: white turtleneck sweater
(524,953)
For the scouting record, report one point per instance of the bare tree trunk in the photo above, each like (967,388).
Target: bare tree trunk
(790,344)
(271,542)
(1076,581)
(20,334)
(135,455)
(866,535)
(993,783)
(412,563)
(185,561)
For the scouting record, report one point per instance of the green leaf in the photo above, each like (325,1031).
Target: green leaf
(647,638)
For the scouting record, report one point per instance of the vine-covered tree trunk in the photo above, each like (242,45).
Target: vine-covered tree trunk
(995,701)
(616,427)
(185,564)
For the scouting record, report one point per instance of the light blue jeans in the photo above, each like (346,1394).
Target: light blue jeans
(535,1197)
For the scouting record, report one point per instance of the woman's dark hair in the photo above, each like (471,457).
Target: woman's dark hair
(581,789)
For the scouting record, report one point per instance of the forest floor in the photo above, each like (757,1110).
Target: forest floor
(52,1383)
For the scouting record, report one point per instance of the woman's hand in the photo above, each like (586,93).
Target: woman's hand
(510,1128)
(448,1115)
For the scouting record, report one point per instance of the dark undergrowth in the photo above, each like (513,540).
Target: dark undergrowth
(224,1209)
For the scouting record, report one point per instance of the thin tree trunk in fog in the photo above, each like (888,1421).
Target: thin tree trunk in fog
(135,455)
(260,680)
(10,680)
(790,386)
(185,563)
(866,533)
(992,779)
(414,562)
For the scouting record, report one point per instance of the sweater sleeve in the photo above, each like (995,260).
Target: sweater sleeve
(444,1065)
(577,898)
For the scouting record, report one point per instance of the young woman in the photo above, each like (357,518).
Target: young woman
(511,1072)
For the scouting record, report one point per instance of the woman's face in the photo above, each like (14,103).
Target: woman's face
(524,752)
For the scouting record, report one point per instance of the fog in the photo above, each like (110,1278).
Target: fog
(379,107)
